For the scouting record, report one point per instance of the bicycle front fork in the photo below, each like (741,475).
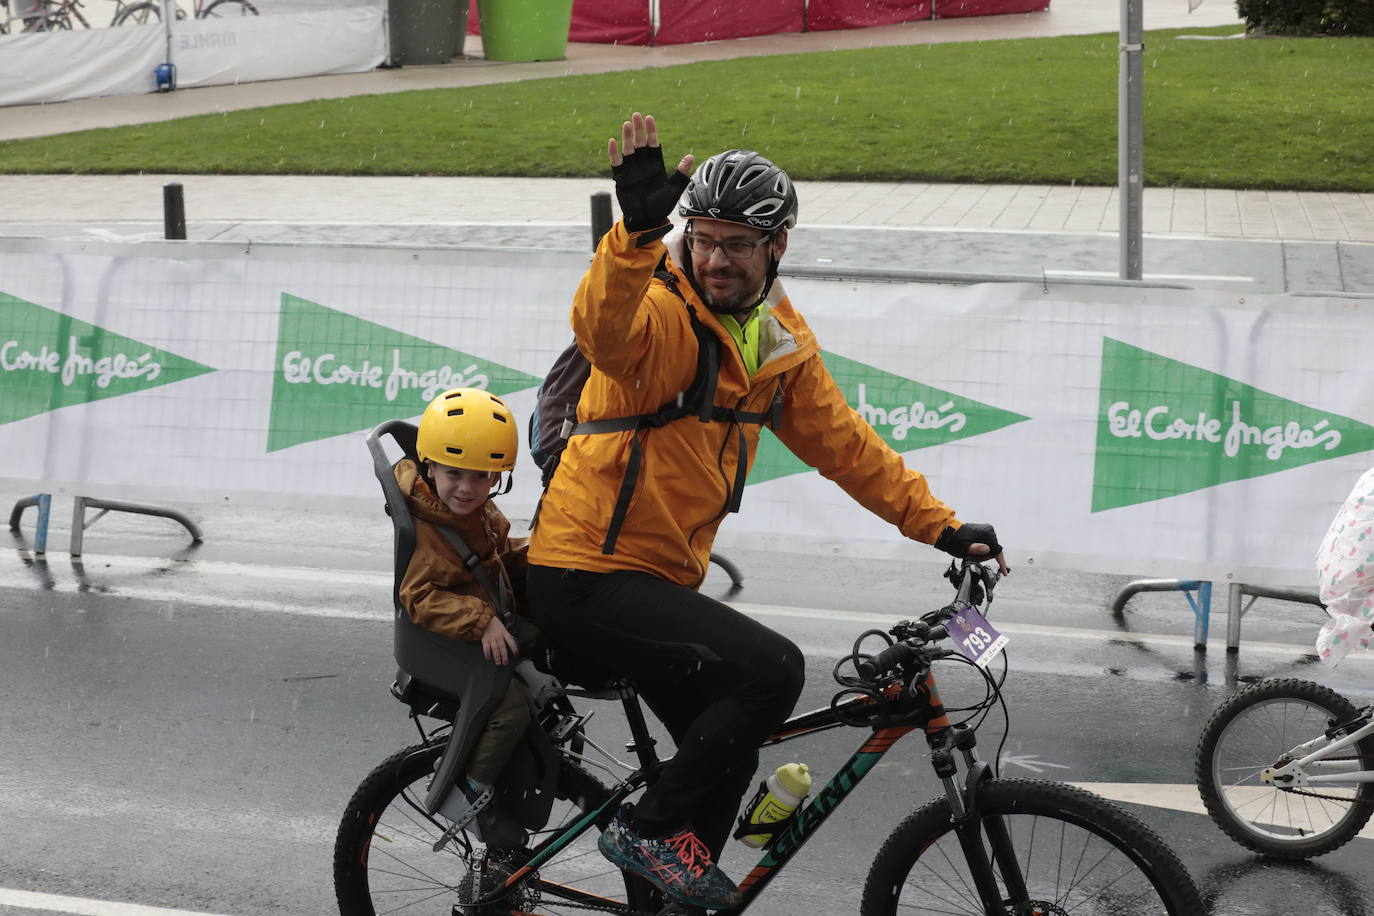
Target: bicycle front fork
(984,860)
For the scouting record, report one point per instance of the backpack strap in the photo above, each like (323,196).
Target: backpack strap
(698,399)
(497,590)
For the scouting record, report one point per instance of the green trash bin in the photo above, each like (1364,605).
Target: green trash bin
(525,29)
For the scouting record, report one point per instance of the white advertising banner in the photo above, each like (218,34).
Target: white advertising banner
(1179,433)
(244,49)
(41,67)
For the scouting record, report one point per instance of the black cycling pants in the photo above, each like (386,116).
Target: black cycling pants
(717,711)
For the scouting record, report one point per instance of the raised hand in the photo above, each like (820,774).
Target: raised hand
(645,190)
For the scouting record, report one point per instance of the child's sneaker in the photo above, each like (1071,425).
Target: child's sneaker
(679,864)
(497,829)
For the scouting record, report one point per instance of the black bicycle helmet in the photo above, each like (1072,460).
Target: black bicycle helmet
(740,186)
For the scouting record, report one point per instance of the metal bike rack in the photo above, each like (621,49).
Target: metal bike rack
(82,503)
(736,579)
(1202,607)
(1234,612)
(44,503)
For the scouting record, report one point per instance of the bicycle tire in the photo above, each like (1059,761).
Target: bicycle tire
(1254,729)
(1077,852)
(138,14)
(409,876)
(227,9)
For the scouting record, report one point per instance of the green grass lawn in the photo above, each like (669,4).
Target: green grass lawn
(1291,113)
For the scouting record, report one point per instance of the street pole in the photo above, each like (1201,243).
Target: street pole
(1130,142)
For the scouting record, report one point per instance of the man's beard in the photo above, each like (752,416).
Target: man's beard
(736,302)
(732,302)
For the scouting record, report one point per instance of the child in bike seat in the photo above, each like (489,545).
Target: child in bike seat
(467,438)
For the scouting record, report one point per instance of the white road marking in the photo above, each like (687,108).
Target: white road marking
(81,906)
(1171,796)
(376,606)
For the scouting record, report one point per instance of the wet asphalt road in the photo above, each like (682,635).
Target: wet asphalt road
(184,725)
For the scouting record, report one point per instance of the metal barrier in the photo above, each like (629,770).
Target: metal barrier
(1234,612)
(731,570)
(1202,607)
(44,503)
(82,503)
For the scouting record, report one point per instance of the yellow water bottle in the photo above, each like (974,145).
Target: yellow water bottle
(778,796)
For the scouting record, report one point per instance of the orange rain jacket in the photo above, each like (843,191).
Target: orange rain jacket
(637,335)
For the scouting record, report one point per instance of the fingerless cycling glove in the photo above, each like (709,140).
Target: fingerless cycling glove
(647,193)
(957,541)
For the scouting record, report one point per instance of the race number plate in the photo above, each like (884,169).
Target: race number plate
(975,637)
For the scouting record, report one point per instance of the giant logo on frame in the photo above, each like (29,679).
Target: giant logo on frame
(50,360)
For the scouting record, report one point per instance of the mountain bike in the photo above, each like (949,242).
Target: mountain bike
(148,11)
(990,846)
(1286,768)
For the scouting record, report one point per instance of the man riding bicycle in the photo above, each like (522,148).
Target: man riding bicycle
(614,567)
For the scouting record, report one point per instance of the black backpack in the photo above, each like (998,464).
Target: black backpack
(554,419)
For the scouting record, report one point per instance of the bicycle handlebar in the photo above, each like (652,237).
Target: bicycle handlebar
(973,582)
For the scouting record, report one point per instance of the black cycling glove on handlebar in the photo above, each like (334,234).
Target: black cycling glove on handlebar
(957,541)
(647,193)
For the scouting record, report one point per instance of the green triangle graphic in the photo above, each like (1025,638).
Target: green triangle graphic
(50,360)
(337,373)
(1165,427)
(907,415)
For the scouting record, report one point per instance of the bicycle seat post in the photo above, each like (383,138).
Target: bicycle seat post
(641,742)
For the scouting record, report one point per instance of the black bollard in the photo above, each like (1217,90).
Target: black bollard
(173,212)
(601,216)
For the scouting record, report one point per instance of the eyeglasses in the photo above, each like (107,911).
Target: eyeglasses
(735,249)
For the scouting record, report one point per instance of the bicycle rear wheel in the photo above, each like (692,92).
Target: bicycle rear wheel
(384,858)
(1077,853)
(227,9)
(1257,728)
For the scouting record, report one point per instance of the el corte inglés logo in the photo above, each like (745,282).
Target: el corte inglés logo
(906,414)
(336,373)
(1165,428)
(50,360)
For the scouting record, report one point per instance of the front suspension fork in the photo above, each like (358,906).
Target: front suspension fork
(970,827)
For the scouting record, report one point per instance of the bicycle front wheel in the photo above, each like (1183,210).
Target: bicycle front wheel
(226,9)
(385,862)
(1259,728)
(1073,852)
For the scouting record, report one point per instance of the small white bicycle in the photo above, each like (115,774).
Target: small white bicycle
(1286,768)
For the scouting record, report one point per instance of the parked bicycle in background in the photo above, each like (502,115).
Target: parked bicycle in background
(18,16)
(41,16)
(148,11)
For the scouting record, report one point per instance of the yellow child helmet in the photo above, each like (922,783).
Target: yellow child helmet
(468,428)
